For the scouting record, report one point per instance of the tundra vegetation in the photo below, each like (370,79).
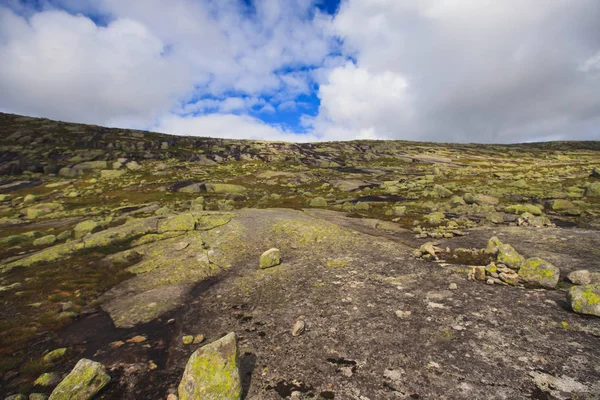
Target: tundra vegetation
(137,265)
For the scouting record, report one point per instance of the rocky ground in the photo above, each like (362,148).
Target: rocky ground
(407,270)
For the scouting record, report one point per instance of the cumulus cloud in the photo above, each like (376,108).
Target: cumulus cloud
(228,126)
(475,70)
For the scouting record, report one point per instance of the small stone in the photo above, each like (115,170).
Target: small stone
(55,355)
(48,379)
(198,339)
(298,328)
(152,365)
(270,258)
(187,339)
(479,273)
(38,396)
(45,240)
(116,344)
(172,396)
(137,339)
(490,281)
(452,286)
(403,314)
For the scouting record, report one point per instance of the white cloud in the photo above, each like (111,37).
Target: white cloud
(63,66)
(476,70)
(228,126)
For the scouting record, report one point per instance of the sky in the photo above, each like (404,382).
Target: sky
(484,71)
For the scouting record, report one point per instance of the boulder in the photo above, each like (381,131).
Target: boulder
(133,166)
(595,173)
(83,382)
(523,208)
(55,355)
(435,218)
(593,190)
(508,256)
(457,201)
(85,227)
(212,372)
(539,272)
(45,240)
(48,379)
(480,199)
(270,258)
(318,202)
(585,299)
(39,210)
(580,277)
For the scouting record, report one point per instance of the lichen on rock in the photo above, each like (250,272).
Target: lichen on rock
(83,382)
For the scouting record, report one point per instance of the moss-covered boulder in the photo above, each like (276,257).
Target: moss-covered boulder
(83,382)
(562,206)
(593,190)
(457,201)
(508,256)
(318,202)
(435,218)
(212,372)
(480,199)
(523,208)
(270,258)
(538,272)
(85,227)
(585,299)
(48,379)
(55,355)
(45,240)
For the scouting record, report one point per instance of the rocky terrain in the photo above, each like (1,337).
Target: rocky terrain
(136,265)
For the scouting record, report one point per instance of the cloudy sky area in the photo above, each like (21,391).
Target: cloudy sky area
(307,70)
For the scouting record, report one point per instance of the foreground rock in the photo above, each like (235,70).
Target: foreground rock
(212,372)
(585,299)
(538,272)
(83,382)
(270,258)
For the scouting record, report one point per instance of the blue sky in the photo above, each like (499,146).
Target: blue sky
(308,70)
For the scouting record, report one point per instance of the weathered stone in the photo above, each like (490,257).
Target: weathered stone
(83,382)
(133,166)
(585,299)
(39,210)
(318,202)
(523,208)
(512,278)
(434,218)
(508,256)
(270,258)
(86,227)
(539,272)
(441,191)
(212,372)
(580,277)
(479,272)
(55,355)
(48,379)
(593,190)
(45,240)
(457,201)
(298,328)
(480,199)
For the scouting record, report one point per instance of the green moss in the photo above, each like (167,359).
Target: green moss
(83,382)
